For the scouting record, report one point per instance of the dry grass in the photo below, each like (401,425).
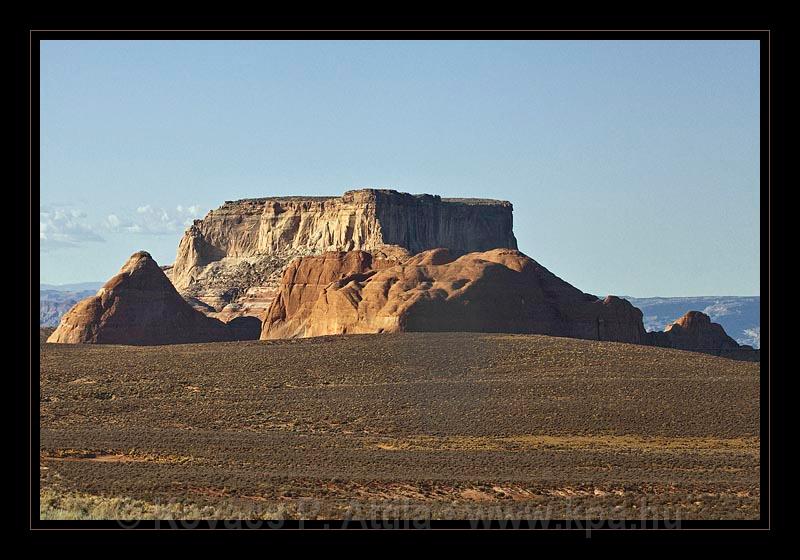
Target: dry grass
(74,505)
(627,443)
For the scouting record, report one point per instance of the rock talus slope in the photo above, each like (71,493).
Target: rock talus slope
(140,306)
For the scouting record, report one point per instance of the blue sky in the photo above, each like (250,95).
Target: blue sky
(633,166)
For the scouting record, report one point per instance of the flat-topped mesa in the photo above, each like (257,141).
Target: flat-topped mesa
(240,250)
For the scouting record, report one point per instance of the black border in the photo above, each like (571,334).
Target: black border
(772,153)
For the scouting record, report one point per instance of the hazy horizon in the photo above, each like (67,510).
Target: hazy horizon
(633,166)
(99,283)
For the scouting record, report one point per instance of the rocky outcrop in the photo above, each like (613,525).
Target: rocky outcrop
(140,306)
(695,332)
(295,311)
(501,290)
(233,259)
(739,316)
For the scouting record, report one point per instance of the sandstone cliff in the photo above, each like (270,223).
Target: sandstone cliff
(500,290)
(140,306)
(232,260)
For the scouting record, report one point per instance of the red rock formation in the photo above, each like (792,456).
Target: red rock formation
(140,306)
(695,332)
(501,290)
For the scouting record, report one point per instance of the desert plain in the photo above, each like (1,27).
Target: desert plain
(410,425)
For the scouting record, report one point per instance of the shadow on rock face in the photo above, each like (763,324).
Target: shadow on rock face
(244,328)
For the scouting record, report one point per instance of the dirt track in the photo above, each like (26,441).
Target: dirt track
(451,423)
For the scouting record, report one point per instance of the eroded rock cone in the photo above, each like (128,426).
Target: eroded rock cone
(140,306)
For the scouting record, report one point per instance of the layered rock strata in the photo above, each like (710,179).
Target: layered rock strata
(233,259)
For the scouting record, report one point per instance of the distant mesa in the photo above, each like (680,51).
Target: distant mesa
(233,259)
(140,306)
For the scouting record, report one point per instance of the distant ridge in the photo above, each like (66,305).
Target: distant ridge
(55,300)
(79,287)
